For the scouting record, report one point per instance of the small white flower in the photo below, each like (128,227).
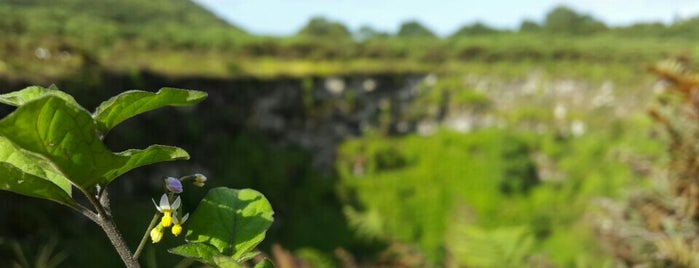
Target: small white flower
(199,180)
(177,228)
(167,209)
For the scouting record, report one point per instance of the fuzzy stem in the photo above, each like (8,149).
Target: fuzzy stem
(86,212)
(117,240)
(105,221)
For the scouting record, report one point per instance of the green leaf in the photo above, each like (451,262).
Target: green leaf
(15,180)
(19,98)
(507,246)
(233,221)
(131,103)
(32,164)
(226,262)
(200,251)
(265,263)
(152,154)
(248,256)
(65,135)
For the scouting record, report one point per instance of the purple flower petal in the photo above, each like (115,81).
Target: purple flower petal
(173,185)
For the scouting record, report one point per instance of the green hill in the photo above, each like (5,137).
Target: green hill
(47,40)
(44,40)
(126,17)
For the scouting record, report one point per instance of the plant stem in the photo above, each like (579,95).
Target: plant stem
(117,240)
(86,212)
(105,221)
(145,236)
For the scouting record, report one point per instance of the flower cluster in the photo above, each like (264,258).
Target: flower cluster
(170,206)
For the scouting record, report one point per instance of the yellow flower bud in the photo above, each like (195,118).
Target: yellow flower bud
(176,229)
(156,234)
(166,220)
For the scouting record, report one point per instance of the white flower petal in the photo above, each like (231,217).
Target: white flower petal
(175,205)
(164,202)
(156,205)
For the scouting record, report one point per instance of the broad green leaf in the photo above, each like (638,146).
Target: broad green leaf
(152,154)
(32,164)
(265,263)
(233,221)
(63,133)
(226,262)
(19,98)
(248,256)
(200,251)
(131,103)
(15,180)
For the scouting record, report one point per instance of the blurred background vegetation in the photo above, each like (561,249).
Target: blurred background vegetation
(484,148)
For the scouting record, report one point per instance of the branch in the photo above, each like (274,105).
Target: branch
(105,221)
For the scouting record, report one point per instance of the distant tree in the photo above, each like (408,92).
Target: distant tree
(367,32)
(688,28)
(415,29)
(645,29)
(322,27)
(477,28)
(565,20)
(529,26)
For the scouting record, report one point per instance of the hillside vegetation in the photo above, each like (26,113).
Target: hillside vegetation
(54,39)
(520,137)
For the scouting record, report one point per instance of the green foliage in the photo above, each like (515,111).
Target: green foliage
(565,20)
(47,256)
(529,26)
(134,102)
(662,213)
(501,247)
(388,158)
(27,184)
(643,29)
(519,172)
(292,187)
(19,98)
(477,28)
(126,18)
(314,258)
(50,144)
(323,28)
(414,29)
(265,263)
(367,33)
(449,164)
(491,178)
(247,211)
(179,38)
(448,94)
(53,128)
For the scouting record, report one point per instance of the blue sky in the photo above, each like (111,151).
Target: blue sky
(285,17)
